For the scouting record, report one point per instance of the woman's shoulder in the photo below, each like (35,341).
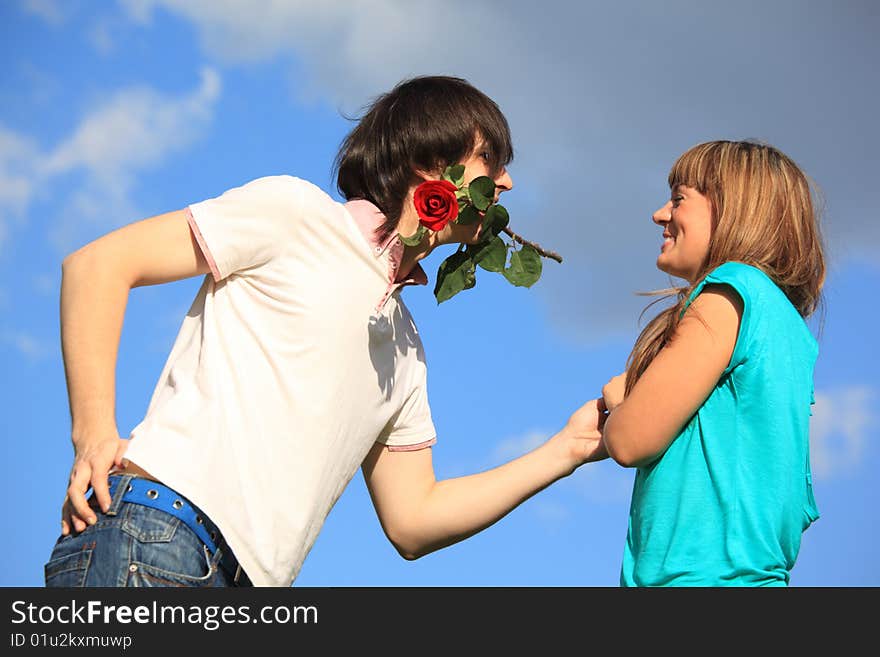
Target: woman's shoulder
(759,291)
(751,283)
(739,272)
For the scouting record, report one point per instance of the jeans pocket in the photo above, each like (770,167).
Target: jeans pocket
(189,570)
(67,568)
(165,551)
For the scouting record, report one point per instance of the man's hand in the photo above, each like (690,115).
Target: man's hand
(613,391)
(583,432)
(95,284)
(91,465)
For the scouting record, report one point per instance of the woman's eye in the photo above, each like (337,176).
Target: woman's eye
(486,155)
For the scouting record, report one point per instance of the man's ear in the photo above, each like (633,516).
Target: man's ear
(420,175)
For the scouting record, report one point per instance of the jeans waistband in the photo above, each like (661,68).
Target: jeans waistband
(147,492)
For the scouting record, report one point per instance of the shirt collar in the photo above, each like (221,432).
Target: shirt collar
(368,218)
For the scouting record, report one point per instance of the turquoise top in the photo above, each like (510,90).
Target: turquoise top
(727,502)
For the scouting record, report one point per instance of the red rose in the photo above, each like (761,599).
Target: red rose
(435,203)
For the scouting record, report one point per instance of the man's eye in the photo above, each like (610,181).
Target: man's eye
(677,199)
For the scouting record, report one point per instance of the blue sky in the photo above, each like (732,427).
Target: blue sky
(111,112)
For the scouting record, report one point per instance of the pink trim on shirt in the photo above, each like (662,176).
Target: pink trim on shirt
(368,218)
(416,276)
(203,245)
(411,448)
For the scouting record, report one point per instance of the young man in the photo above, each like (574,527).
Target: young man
(297,363)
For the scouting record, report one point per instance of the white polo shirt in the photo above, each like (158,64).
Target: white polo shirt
(296,356)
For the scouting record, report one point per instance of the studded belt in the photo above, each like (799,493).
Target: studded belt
(147,492)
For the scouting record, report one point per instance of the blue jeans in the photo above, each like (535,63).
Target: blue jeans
(135,545)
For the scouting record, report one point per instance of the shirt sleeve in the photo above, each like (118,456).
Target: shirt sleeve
(246,226)
(742,279)
(411,428)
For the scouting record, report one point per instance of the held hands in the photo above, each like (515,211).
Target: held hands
(91,465)
(583,434)
(613,392)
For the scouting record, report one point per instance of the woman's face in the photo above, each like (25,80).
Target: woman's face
(686,220)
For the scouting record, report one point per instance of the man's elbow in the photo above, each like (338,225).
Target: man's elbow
(83,259)
(407,545)
(408,538)
(409,555)
(72,260)
(96,260)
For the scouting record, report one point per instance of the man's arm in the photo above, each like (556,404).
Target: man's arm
(95,284)
(420,515)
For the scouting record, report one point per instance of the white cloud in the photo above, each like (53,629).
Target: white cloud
(511,448)
(31,86)
(100,35)
(839,429)
(354,49)
(47,285)
(134,129)
(140,11)
(51,11)
(603,482)
(95,208)
(596,112)
(232,31)
(131,131)
(552,514)
(19,165)
(27,345)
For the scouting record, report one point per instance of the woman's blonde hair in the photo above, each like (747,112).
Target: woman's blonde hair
(762,215)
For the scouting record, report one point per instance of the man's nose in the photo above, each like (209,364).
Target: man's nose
(503,181)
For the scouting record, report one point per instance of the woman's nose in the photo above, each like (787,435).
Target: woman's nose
(662,214)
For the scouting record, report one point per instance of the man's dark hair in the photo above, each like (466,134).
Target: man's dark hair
(424,123)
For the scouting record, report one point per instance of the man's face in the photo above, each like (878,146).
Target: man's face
(476,165)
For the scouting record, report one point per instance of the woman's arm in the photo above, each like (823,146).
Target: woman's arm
(677,382)
(420,515)
(95,284)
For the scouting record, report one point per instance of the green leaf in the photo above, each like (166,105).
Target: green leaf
(525,267)
(491,255)
(468,215)
(482,191)
(495,220)
(416,238)
(456,273)
(455,174)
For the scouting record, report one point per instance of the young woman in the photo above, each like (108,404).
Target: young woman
(713,409)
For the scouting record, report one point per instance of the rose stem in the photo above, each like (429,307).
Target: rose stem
(534,245)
